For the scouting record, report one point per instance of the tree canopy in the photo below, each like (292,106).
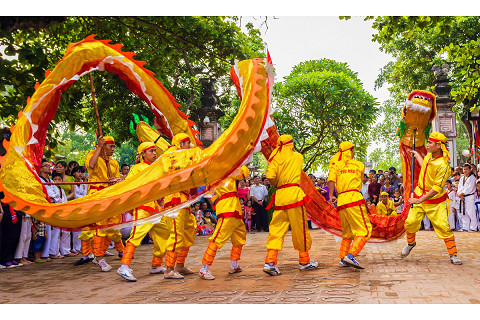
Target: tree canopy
(419,43)
(322,103)
(180,50)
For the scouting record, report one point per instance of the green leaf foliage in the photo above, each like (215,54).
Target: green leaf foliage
(418,43)
(180,50)
(322,103)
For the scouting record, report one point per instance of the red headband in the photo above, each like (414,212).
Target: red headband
(109,142)
(435,140)
(280,149)
(185,139)
(152,147)
(342,151)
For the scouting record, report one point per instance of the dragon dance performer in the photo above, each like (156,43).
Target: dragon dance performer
(182,232)
(159,232)
(230,225)
(284,170)
(430,197)
(347,174)
(97,170)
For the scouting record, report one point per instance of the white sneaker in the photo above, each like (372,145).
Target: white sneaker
(126,273)
(206,275)
(2,266)
(271,270)
(350,260)
(407,249)
(342,263)
(235,270)
(309,266)
(95,262)
(104,265)
(108,254)
(157,270)
(455,260)
(173,275)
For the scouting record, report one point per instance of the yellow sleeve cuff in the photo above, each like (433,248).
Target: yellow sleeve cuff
(437,188)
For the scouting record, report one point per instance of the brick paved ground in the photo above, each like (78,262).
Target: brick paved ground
(426,276)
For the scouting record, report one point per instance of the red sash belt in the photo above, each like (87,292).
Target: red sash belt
(348,191)
(175,201)
(433,201)
(234,214)
(293,205)
(352,204)
(288,185)
(225,196)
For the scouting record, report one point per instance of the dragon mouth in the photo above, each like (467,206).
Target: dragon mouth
(419,104)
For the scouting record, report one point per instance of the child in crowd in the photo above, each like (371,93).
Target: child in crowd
(248,213)
(39,238)
(451,204)
(477,199)
(59,250)
(371,207)
(398,201)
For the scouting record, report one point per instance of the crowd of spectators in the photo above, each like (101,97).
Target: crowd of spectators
(381,190)
(24,240)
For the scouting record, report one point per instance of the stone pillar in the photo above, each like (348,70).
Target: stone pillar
(207,116)
(445,121)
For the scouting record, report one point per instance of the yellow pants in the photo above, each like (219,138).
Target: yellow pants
(355,222)
(182,231)
(229,227)
(159,232)
(436,213)
(297,219)
(86,235)
(113,234)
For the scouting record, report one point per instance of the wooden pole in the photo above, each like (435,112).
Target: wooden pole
(100,133)
(73,183)
(413,167)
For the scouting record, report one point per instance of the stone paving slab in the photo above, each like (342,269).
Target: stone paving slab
(426,276)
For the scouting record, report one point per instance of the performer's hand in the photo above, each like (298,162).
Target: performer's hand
(101,141)
(414,152)
(333,200)
(114,180)
(462,197)
(414,201)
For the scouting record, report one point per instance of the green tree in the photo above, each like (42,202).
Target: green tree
(322,103)
(419,43)
(180,50)
(384,134)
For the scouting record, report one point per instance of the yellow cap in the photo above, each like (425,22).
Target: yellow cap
(180,137)
(384,194)
(145,146)
(438,137)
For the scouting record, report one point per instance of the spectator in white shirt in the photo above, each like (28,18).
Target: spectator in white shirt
(258,194)
(365,184)
(466,192)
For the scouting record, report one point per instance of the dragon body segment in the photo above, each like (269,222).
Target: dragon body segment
(21,185)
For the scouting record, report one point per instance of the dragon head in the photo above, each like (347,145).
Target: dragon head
(423,102)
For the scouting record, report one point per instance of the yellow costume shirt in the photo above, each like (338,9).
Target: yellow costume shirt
(99,172)
(382,209)
(230,204)
(177,159)
(347,178)
(291,168)
(151,205)
(433,175)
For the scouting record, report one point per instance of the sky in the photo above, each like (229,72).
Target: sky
(292,40)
